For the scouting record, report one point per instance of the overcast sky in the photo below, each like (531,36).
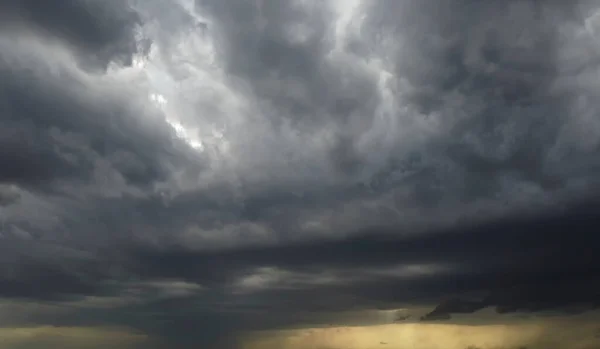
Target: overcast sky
(182,174)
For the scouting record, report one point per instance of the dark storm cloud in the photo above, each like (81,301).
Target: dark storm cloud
(495,62)
(54,128)
(280,49)
(544,260)
(488,82)
(100,31)
(518,268)
(282,158)
(258,45)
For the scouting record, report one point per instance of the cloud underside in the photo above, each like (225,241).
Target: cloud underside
(277,159)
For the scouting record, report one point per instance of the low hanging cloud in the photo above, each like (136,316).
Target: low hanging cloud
(185,165)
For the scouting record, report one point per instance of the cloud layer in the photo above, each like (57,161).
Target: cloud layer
(281,158)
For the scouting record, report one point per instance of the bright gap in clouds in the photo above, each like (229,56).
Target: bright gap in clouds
(188,135)
(176,74)
(182,133)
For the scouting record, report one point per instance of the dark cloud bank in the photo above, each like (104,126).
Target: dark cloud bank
(212,167)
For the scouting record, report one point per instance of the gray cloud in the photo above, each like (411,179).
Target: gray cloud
(8,195)
(98,32)
(271,154)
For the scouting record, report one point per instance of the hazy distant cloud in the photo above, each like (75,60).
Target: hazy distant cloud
(8,194)
(235,158)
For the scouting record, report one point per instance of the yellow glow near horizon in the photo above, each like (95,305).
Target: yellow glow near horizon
(70,337)
(535,335)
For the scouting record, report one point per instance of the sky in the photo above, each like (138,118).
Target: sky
(332,174)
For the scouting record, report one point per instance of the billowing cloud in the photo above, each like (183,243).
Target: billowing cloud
(8,195)
(195,169)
